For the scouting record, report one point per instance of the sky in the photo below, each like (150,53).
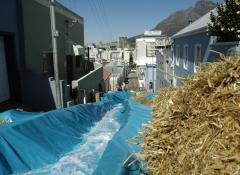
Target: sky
(106,20)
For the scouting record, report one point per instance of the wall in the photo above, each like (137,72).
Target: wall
(126,56)
(9,29)
(207,43)
(164,63)
(107,85)
(37,39)
(37,91)
(105,55)
(150,76)
(202,39)
(37,32)
(92,80)
(142,45)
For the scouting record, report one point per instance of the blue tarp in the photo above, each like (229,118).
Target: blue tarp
(16,115)
(119,148)
(150,96)
(34,140)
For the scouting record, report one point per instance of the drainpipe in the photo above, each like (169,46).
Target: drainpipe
(55,55)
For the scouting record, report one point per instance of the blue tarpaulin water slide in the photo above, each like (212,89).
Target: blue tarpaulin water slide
(150,96)
(84,139)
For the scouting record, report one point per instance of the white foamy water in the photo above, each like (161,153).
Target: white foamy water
(85,157)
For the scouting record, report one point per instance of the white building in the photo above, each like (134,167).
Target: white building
(165,68)
(105,55)
(93,53)
(148,45)
(112,55)
(145,51)
(128,54)
(116,54)
(147,48)
(123,42)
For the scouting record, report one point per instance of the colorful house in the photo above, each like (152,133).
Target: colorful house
(192,47)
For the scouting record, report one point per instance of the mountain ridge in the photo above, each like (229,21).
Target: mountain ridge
(181,18)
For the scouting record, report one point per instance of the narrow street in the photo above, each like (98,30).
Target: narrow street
(133,81)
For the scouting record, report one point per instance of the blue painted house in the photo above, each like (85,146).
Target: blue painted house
(192,47)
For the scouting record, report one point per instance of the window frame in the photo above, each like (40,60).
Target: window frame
(185,56)
(150,49)
(196,55)
(177,55)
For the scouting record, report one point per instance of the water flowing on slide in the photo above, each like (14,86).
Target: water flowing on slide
(85,157)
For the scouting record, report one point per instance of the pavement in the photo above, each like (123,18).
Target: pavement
(133,81)
(116,70)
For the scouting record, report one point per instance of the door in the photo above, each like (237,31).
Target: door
(4,85)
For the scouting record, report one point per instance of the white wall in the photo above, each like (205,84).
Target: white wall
(126,55)
(141,51)
(93,52)
(105,55)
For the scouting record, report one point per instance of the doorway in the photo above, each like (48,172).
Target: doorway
(4,82)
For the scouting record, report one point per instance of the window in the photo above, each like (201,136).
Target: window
(177,54)
(150,49)
(185,57)
(197,59)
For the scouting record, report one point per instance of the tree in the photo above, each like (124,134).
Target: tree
(225,21)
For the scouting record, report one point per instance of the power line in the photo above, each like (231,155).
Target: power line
(100,15)
(100,11)
(106,18)
(96,16)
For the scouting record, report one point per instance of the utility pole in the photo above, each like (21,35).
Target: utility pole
(55,55)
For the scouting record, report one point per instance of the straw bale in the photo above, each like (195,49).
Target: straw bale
(196,127)
(2,122)
(140,98)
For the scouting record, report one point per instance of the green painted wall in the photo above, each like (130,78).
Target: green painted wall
(89,82)
(37,35)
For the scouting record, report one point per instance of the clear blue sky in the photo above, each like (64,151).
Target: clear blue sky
(106,20)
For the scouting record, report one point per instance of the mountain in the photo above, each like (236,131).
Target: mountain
(180,19)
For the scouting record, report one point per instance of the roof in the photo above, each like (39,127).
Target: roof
(144,37)
(197,26)
(61,9)
(106,75)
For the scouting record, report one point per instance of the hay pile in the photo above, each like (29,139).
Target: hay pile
(3,122)
(196,127)
(140,98)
